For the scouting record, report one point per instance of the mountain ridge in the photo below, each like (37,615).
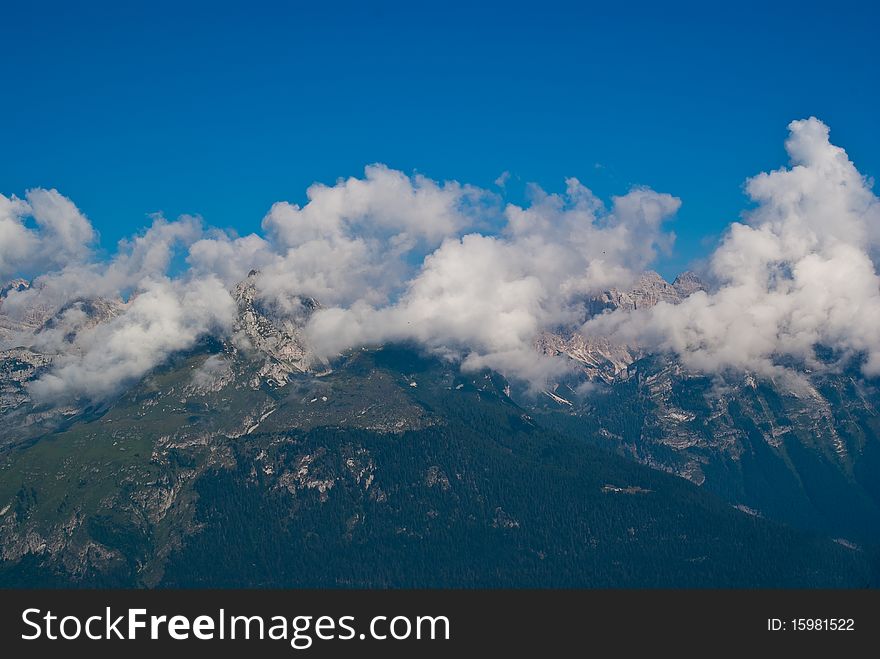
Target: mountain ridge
(801,458)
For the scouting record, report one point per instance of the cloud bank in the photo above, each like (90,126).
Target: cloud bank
(451,267)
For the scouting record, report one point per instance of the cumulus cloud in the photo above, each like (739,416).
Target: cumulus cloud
(58,235)
(230,257)
(357,240)
(164,318)
(107,321)
(483,299)
(353,242)
(448,266)
(143,257)
(798,273)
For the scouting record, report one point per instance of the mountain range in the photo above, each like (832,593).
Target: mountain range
(248,461)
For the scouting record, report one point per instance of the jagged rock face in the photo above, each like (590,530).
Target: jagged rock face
(683,426)
(24,321)
(14,286)
(688,283)
(597,357)
(79,315)
(275,337)
(267,345)
(600,358)
(650,289)
(18,366)
(34,340)
(726,433)
(801,451)
(36,317)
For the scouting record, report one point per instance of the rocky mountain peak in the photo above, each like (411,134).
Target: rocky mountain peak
(600,358)
(264,328)
(20,318)
(649,289)
(81,314)
(688,283)
(596,357)
(14,286)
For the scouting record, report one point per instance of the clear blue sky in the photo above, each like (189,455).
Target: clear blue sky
(221,109)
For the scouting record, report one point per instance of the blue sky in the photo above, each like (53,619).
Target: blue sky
(220,109)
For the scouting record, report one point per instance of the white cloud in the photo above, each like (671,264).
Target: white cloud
(140,258)
(66,233)
(59,235)
(502,179)
(166,317)
(484,299)
(384,254)
(356,240)
(230,258)
(385,201)
(799,272)
(393,257)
